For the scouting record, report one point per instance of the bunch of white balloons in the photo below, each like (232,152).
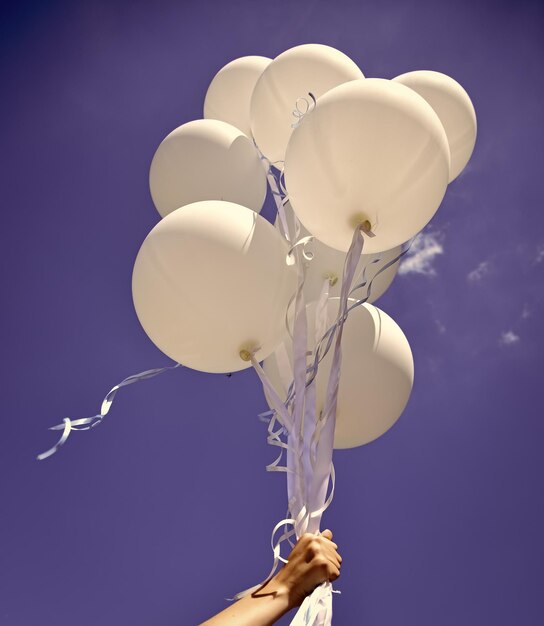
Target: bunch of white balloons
(213,277)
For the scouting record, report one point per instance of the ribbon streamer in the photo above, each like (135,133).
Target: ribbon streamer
(67,425)
(86,423)
(280,198)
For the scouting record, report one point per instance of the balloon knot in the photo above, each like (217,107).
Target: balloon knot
(366,226)
(245,355)
(332,278)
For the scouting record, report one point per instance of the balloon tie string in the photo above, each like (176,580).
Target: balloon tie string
(291,415)
(300,488)
(325,342)
(362,281)
(321,322)
(276,182)
(369,287)
(278,193)
(281,182)
(295,408)
(274,439)
(319,512)
(289,515)
(304,241)
(300,113)
(86,423)
(352,259)
(278,406)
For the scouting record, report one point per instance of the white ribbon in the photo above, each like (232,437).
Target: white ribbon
(86,423)
(299,113)
(316,610)
(310,440)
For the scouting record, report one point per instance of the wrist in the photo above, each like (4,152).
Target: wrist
(285,590)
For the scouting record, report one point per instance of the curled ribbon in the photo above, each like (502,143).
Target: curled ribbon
(299,113)
(86,423)
(304,241)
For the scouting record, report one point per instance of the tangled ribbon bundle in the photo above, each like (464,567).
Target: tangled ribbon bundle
(309,442)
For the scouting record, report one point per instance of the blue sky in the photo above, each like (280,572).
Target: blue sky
(165,510)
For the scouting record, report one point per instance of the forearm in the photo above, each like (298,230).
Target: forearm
(262,608)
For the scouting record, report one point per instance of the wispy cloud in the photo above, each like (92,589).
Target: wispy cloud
(508,338)
(479,272)
(539,257)
(419,260)
(526,312)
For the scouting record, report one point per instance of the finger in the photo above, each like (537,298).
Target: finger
(331,551)
(334,559)
(328,542)
(335,552)
(334,573)
(327,534)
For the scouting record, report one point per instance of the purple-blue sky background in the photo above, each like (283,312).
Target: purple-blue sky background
(165,510)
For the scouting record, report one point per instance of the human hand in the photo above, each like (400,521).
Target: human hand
(313,560)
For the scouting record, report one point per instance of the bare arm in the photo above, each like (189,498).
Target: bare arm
(312,561)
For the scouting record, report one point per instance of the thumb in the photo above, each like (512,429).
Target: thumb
(327,534)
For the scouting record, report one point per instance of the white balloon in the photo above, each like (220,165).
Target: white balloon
(454,108)
(328,263)
(229,93)
(376,377)
(310,68)
(206,160)
(371,150)
(212,280)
